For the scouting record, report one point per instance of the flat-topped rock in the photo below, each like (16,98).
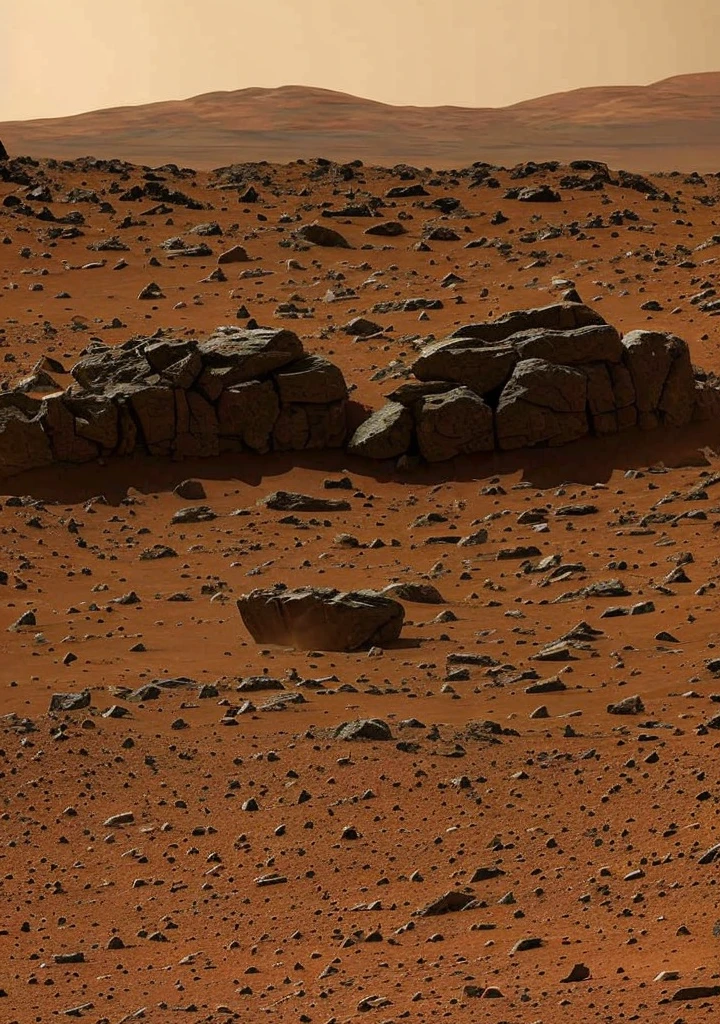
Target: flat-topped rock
(321,618)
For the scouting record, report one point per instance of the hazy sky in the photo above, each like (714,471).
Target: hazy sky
(62,57)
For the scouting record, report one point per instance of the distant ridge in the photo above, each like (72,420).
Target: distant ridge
(673,124)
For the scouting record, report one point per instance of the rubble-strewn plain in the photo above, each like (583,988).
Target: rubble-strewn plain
(504,810)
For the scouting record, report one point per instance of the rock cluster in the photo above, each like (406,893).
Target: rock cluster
(237,390)
(535,377)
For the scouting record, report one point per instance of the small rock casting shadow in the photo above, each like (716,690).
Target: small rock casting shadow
(588,461)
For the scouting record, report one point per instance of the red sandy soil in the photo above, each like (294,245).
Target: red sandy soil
(674,123)
(568,807)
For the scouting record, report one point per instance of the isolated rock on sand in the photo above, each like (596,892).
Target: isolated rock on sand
(237,254)
(321,617)
(542,404)
(455,423)
(385,434)
(291,501)
(318,234)
(191,490)
(364,729)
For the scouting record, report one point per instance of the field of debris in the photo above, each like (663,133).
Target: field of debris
(505,814)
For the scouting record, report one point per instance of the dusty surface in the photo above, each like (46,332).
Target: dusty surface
(593,825)
(673,123)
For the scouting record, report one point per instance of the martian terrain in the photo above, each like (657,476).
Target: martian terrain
(495,803)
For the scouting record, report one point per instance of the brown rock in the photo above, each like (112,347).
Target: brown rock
(542,404)
(248,412)
(456,423)
(312,379)
(23,443)
(321,617)
(386,434)
(318,234)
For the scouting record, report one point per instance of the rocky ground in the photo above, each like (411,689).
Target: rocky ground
(531,829)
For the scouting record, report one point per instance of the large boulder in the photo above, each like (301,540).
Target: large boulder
(542,404)
(599,343)
(196,426)
(96,419)
(311,379)
(233,355)
(386,434)
(23,442)
(677,401)
(104,367)
(60,426)
(307,425)
(483,367)
(561,316)
(648,356)
(318,234)
(248,412)
(3,152)
(321,618)
(456,423)
(153,408)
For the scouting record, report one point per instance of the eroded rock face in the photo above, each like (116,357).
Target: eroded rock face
(23,442)
(561,316)
(455,423)
(542,404)
(321,618)
(238,390)
(386,434)
(546,377)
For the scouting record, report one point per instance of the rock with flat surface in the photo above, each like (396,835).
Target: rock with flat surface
(321,618)
(291,501)
(560,316)
(386,434)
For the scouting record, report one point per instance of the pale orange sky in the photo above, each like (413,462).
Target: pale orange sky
(61,57)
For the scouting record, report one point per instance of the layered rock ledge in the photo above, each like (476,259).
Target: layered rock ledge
(235,391)
(538,377)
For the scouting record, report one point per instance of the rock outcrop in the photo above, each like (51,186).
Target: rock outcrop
(237,390)
(536,377)
(321,618)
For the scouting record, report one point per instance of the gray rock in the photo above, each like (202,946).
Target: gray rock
(364,729)
(561,316)
(70,701)
(311,379)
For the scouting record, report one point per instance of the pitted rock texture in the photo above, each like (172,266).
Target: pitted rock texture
(238,390)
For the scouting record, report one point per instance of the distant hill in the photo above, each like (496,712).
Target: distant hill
(670,125)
